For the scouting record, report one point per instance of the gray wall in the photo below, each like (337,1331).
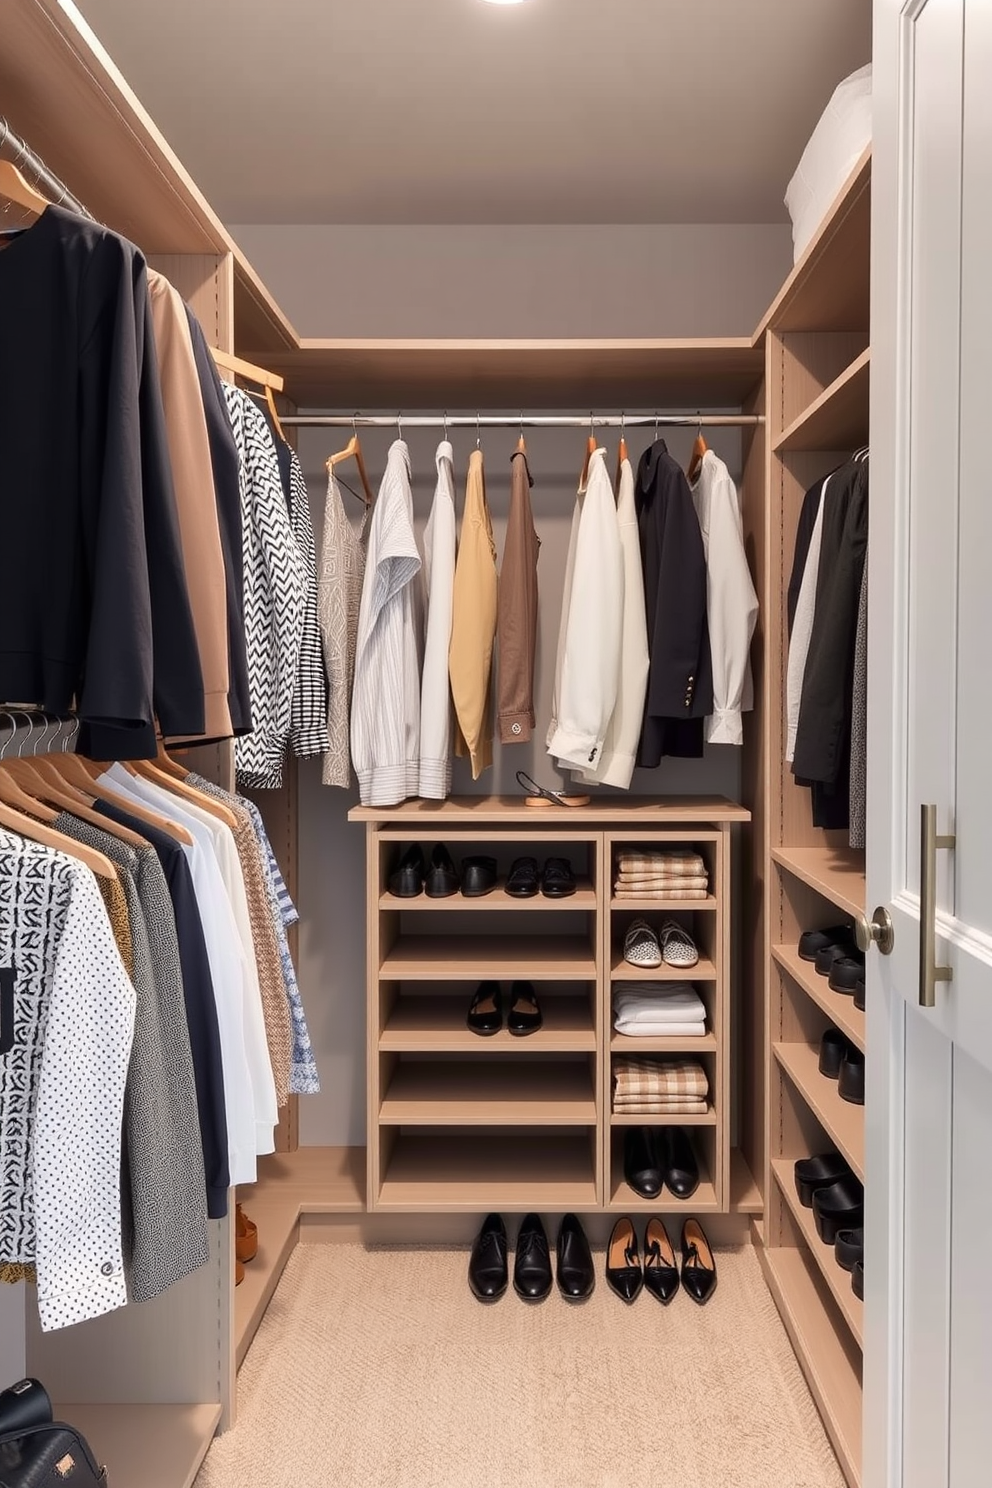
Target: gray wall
(369,282)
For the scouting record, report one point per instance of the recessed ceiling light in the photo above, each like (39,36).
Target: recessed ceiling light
(505,2)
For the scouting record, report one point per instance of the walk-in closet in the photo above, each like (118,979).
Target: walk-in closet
(494,852)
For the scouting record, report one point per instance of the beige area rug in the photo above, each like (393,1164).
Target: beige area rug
(378,1369)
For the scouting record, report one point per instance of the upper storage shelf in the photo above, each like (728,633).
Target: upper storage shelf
(828,290)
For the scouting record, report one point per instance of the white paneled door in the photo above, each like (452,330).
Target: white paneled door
(928,1356)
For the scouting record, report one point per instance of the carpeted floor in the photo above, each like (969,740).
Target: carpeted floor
(377,1369)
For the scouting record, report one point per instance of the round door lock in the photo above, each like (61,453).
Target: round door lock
(879,931)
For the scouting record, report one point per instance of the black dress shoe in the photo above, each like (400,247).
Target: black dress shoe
(813,1173)
(487,1267)
(532,1264)
(858,1280)
(833,1047)
(525,1012)
(575,1273)
(442,875)
(623,1263)
(812,942)
(846,973)
(557,880)
(661,1274)
(851,1080)
(840,950)
(681,1168)
(485,1016)
(407,879)
(523,881)
(698,1265)
(849,1247)
(859,993)
(478,876)
(839,1207)
(641,1162)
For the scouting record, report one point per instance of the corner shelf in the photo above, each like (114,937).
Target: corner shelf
(843,1123)
(838,873)
(838,1007)
(837,1279)
(838,418)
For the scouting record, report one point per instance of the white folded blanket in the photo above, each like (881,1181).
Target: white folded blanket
(684,1006)
(660,1030)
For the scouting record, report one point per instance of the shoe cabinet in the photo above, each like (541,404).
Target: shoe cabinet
(817,376)
(461,1122)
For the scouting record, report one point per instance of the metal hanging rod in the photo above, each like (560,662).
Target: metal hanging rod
(523,421)
(19,152)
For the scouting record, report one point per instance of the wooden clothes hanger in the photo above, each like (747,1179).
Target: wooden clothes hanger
(591,448)
(34,821)
(85,773)
(622,454)
(169,766)
(51,787)
(17,190)
(353,451)
(150,771)
(699,449)
(270,399)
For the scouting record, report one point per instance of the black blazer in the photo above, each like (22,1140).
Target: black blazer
(680,675)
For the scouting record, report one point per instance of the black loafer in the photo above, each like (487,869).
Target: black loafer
(849,1248)
(698,1265)
(858,1280)
(557,880)
(641,1163)
(813,1173)
(485,1016)
(442,875)
(525,1011)
(523,881)
(846,973)
(574,1273)
(681,1168)
(841,950)
(487,1268)
(851,1080)
(859,994)
(532,1263)
(407,879)
(623,1263)
(839,1207)
(661,1274)
(833,1047)
(478,876)
(812,942)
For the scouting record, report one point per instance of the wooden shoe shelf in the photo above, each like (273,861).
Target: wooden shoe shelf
(457,1122)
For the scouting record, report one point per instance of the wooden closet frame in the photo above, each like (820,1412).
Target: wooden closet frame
(152,1384)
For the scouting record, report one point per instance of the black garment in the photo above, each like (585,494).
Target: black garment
(226,465)
(96,605)
(823,739)
(804,536)
(680,678)
(201,1007)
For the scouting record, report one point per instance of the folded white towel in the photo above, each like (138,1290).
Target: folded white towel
(660,1030)
(685,1007)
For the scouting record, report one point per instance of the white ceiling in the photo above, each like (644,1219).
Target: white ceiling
(441,111)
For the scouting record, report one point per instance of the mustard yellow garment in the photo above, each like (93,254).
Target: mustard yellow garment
(473,625)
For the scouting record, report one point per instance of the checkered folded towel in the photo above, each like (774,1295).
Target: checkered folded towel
(662,1108)
(671,863)
(642,1078)
(626,891)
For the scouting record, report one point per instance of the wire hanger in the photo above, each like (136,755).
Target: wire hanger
(353,451)
(699,449)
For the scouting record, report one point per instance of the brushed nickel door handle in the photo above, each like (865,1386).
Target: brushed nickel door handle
(930,843)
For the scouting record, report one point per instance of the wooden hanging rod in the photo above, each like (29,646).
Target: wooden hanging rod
(19,153)
(247,370)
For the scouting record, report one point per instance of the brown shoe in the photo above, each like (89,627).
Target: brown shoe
(239,1271)
(245,1236)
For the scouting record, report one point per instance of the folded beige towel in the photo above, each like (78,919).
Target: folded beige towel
(655,1108)
(670,863)
(661,885)
(655,893)
(644,1078)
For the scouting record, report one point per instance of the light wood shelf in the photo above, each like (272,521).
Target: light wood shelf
(657,906)
(485,812)
(512,1172)
(464,958)
(437,1024)
(158,1446)
(476,1093)
(838,873)
(832,1369)
(838,1007)
(707,1118)
(838,418)
(624,1200)
(844,1123)
(838,1280)
(584,899)
(621,1043)
(622,971)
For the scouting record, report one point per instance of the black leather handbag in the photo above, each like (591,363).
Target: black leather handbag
(37,1452)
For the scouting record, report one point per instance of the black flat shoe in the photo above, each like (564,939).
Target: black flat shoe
(698,1265)
(833,1047)
(478,876)
(841,950)
(407,879)
(575,1273)
(681,1168)
(524,880)
(525,1012)
(641,1163)
(859,994)
(442,875)
(487,1267)
(858,1280)
(851,1080)
(623,1263)
(812,942)
(849,1248)
(839,1207)
(846,973)
(661,1274)
(485,1016)
(813,1173)
(532,1264)
(557,880)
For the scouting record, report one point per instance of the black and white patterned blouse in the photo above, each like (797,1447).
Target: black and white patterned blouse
(308,727)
